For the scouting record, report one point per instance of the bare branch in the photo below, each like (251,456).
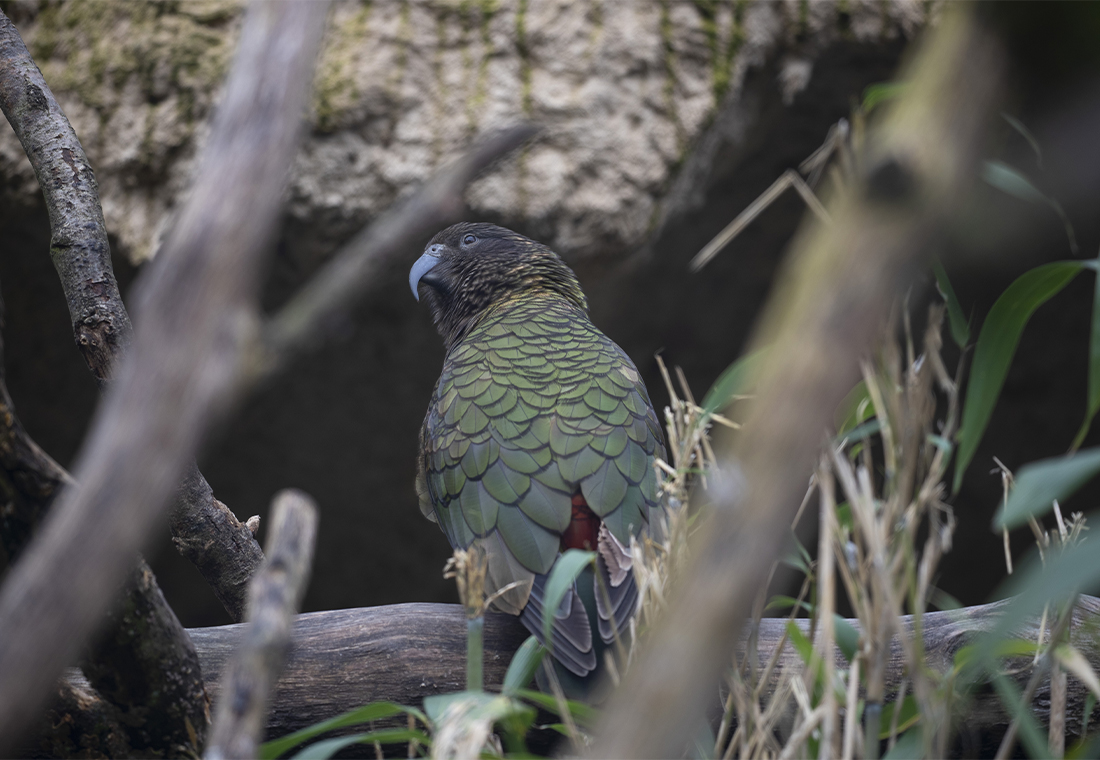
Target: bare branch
(331,293)
(224,550)
(79,245)
(825,314)
(196,308)
(274,597)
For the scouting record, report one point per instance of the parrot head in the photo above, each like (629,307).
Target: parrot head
(468,268)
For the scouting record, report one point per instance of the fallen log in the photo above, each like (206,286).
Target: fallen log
(341,659)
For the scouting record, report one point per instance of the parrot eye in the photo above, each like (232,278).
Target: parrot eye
(469,240)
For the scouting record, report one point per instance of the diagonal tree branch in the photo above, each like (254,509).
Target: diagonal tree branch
(204,530)
(825,312)
(273,600)
(197,306)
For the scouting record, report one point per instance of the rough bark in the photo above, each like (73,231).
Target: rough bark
(273,600)
(79,246)
(824,315)
(143,663)
(179,375)
(210,534)
(207,533)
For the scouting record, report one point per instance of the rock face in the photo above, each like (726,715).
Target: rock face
(661,120)
(627,94)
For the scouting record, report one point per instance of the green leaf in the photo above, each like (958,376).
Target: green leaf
(373,711)
(908,716)
(478,705)
(960,325)
(846,636)
(801,644)
(1038,484)
(881,92)
(325,749)
(1093,402)
(1030,734)
(909,745)
(854,409)
(566,569)
(1011,181)
(585,715)
(780,602)
(1036,584)
(996,346)
(524,663)
(1026,134)
(736,379)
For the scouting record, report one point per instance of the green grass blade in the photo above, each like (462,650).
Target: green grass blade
(374,711)
(881,92)
(325,749)
(565,571)
(524,663)
(960,326)
(585,715)
(1038,484)
(1093,404)
(736,378)
(996,346)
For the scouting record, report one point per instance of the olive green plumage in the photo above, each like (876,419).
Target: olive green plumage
(534,404)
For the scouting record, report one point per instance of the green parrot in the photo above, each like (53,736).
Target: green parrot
(539,437)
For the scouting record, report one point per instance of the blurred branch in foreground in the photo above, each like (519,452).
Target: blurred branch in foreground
(192,316)
(274,597)
(825,314)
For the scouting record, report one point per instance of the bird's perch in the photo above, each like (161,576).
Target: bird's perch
(343,659)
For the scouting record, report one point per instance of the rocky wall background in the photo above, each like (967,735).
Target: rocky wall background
(661,120)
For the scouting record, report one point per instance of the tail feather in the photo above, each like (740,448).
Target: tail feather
(571,633)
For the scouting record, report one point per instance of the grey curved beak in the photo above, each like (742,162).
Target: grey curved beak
(422,266)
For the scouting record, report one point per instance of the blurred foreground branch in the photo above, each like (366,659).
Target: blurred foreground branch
(204,530)
(274,596)
(825,314)
(193,315)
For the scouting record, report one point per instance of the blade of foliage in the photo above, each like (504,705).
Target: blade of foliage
(1011,181)
(734,380)
(1093,403)
(800,642)
(908,716)
(997,341)
(1029,732)
(960,325)
(1026,134)
(881,92)
(1073,661)
(1038,484)
(565,571)
(1077,568)
(524,663)
(365,714)
(908,746)
(585,715)
(854,409)
(325,749)
(846,637)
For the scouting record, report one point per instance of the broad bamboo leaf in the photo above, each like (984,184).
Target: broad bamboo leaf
(1033,740)
(1072,660)
(1011,181)
(524,663)
(1092,405)
(585,715)
(996,346)
(1038,484)
(565,571)
(909,746)
(846,636)
(735,379)
(960,325)
(908,716)
(854,409)
(323,750)
(365,714)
